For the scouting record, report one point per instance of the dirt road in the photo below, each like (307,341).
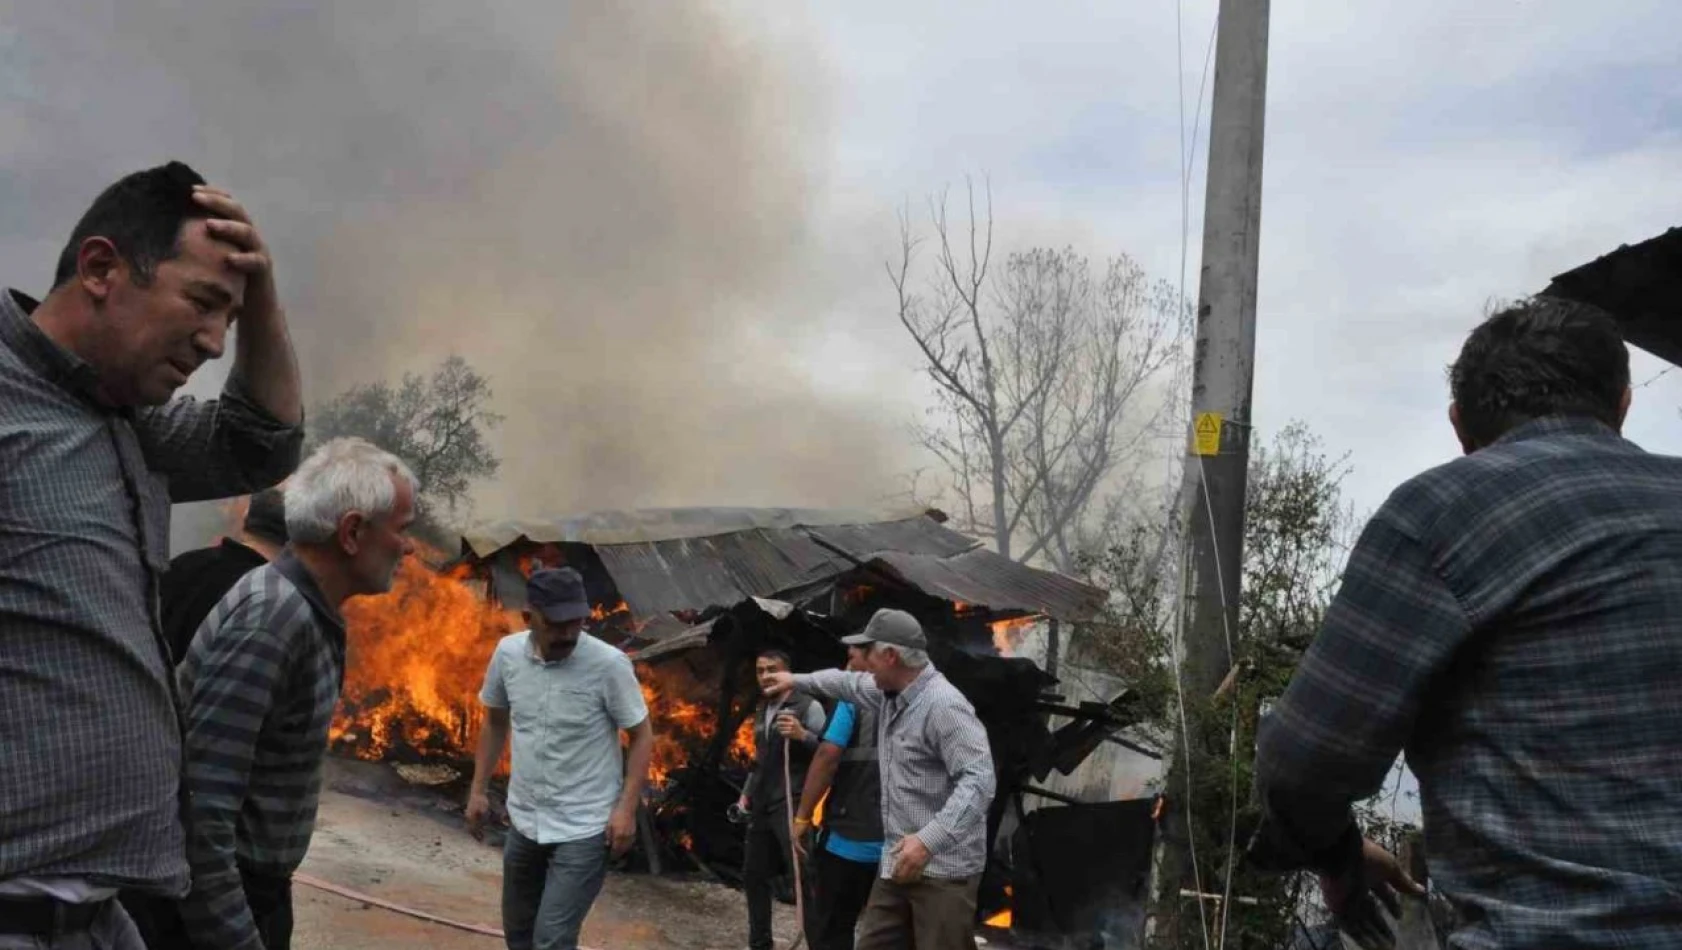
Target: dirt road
(375,837)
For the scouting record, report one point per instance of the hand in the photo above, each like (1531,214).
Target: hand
(1350,895)
(781,685)
(802,832)
(478,809)
(788,726)
(230,223)
(910,858)
(621,830)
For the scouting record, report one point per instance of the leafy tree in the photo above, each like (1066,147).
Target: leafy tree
(1297,534)
(437,424)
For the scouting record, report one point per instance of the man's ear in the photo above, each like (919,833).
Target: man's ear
(1623,407)
(98,265)
(1466,444)
(349,535)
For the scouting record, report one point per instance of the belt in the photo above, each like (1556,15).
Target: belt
(46,917)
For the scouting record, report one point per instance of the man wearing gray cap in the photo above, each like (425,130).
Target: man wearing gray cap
(937,782)
(571,799)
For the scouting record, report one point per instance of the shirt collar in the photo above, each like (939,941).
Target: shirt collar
(538,658)
(328,615)
(1556,425)
(925,676)
(22,336)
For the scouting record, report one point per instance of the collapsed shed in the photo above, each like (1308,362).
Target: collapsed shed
(693,594)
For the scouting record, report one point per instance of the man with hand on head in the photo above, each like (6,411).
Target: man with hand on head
(261,681)
(937,783)
(572,795)
(96,450)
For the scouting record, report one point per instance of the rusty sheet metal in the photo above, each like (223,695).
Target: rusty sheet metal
(689,559)
(984,579)
(721,570)
(671,524)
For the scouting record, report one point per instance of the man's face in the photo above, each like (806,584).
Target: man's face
(382,543)
(765,666)
(156,336)
(857,658)
(881,663)
(555,640)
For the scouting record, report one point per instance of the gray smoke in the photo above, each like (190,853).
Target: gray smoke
(602,206)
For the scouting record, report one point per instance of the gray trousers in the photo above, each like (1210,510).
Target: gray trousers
(547,890)
(111,931)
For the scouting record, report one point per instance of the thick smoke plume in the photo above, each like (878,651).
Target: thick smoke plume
(602,206)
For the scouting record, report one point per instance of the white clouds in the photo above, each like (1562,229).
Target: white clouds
(1423,158)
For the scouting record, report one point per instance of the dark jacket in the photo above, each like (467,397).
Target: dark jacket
(194,583)
(854,808)
(765,785)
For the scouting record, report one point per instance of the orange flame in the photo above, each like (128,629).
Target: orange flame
(1001,920)
(683,723)
(415,661)
(1008,634)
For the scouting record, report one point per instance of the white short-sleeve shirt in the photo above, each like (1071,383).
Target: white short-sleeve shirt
(568,770)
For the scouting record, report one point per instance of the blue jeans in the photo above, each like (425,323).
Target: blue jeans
(547,890)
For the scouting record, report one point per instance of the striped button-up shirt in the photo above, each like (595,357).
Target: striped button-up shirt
(937,772)
(1513,619)
(90,738)
(261,680)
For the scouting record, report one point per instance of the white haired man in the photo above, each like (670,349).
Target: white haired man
(261,680)
(937,782)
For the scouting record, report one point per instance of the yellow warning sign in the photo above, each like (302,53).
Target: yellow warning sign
(1207,434)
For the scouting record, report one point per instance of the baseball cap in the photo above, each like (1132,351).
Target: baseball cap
(558,594)
(893,627)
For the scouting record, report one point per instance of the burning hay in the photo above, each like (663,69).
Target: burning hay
(416,660)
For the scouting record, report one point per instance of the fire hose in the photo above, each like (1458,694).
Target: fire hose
(794,853)
(793,857)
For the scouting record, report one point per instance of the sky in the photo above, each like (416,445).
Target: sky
(662,234)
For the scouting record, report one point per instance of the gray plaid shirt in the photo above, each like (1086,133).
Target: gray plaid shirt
(260,681)
(1513,619)
(937,771)
(90,732)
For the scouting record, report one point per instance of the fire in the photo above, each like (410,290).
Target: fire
(1008,634)
(1001,920)
(682,724)
(415,661)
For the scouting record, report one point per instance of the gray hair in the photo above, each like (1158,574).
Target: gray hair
(912,658)
(343,475)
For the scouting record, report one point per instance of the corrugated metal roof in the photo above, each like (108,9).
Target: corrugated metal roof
(983,578)
(679,559)
(725,569)
(671,524)
(1641,286)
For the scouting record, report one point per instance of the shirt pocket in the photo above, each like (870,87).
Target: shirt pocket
(573,708)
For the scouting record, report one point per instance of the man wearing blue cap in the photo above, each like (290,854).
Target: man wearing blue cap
(571,797)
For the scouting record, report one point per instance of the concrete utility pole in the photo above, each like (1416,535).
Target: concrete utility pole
(1218,456)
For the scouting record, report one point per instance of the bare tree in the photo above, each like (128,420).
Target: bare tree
(1048,373)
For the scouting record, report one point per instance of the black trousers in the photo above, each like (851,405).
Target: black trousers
(843,888)
(766,859)
(269,897)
